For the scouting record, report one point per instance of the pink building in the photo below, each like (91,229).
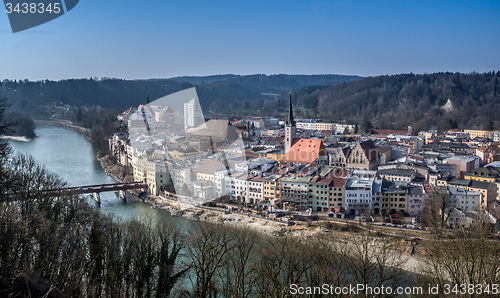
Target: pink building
(416,200)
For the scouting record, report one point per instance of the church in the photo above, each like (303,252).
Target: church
(302,150)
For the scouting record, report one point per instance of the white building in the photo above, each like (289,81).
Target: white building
(193,115)
(466,200)
(358,195)
(180,176)
(158,176)
(256,165)
(306,125)
(220,182)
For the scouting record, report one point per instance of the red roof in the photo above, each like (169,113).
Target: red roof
(306,151)
(339,182)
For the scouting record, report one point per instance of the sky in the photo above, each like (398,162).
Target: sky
(161,39)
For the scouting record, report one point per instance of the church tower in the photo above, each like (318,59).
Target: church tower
(289,127)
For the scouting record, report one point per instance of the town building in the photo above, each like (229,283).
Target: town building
(397,174)
(466,200)
(294,192)
(319,193)
(416,199)
(363,156)
(477,133)
(465,163)
(358,195)
(394,197)
(193,115)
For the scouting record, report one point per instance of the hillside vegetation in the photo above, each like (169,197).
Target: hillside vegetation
(27,96)
(445,100)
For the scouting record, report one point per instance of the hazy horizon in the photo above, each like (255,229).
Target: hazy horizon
(158,39)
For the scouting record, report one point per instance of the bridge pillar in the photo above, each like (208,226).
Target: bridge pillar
(97,197)
(122,194)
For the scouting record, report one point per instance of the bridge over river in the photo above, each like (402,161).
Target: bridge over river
(97,189)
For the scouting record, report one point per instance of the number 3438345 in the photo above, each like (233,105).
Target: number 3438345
(33,8)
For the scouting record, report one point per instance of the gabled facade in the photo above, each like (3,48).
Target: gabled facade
(363,156)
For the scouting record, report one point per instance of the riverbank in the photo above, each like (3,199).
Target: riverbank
(66,124)
(16,138)
(211,214)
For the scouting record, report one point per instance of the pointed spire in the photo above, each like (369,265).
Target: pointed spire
(290,120)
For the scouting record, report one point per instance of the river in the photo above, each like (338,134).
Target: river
(68,154)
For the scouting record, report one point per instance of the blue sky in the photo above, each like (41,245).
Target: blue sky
(160,39)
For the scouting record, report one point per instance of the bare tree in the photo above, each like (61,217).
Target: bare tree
(436,211)
(207,251)
(171,243)
(374,261)
(283,262)
(239,275)
(468,257)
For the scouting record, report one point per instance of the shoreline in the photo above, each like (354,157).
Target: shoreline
(66,124)
(16,138)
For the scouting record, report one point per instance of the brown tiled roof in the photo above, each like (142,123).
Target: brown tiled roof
(326,181)
(346,151)
(369,148)
(339,182)
(483,149)
(306,151)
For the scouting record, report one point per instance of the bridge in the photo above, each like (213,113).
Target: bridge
(97,189)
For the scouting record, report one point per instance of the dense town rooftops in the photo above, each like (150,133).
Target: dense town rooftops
(398,172)
(210,167)
(416,190)
(488,172)
(460,191)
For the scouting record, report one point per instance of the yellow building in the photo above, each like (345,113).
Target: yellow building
(337,193)
(477,133)
(269,188)
(324,126)
(483,174)
(276,155)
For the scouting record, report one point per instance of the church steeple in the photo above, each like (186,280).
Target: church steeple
(289,127)
(290,120)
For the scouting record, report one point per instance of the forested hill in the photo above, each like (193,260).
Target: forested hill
(25,95)
(445,100)
(273,83)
